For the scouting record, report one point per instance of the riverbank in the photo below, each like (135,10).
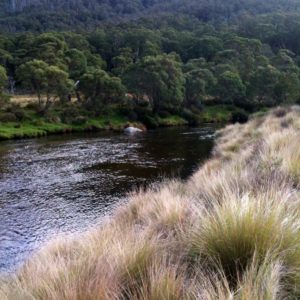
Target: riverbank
(32,125)
(230,232)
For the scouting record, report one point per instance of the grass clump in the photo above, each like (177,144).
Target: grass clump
(291,160)
(231,231)
(242,227)
(222,114)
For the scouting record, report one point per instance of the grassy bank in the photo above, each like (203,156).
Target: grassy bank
(34,125)
(231,231)
(40,127)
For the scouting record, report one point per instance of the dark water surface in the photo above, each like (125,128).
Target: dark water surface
(66,183)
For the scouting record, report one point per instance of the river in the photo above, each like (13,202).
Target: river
(67,183)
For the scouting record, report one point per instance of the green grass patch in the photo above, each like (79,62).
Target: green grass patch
(217,114)
(30,130)
(113,122)
(38,127)
(172,121)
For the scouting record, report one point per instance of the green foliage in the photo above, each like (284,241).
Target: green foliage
(172,121)
(77,63)
(49,48)
(263,81)
(160,79)
(3,79)
(40,15)
(47,82)
(230,87)
(218,114)
(199,84)
(100,89)
(122,61)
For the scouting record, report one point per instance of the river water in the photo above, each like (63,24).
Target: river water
(67,183)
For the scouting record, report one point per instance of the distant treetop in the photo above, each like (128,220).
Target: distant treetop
(43,15)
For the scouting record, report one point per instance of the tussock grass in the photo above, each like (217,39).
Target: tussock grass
(236,229)
(232,231)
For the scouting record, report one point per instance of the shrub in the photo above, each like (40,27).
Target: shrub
(149,121)
(192,118)
(80,120)
(38,122)
(128,112)
(22,115)
(69,114)
(164,114)
(34,106)
(239,117)
(52,118)
(8,117)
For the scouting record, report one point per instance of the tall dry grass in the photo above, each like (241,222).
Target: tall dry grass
(232,231)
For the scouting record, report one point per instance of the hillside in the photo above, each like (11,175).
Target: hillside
(230,232)
(41,15)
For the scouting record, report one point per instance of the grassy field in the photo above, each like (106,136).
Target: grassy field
(232,231)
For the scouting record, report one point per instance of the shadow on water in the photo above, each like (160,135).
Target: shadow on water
(65,183)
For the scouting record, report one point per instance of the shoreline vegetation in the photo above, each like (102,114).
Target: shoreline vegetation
(25,122)
(231,231)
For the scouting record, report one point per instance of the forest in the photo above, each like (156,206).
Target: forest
(154,69)
(41,15)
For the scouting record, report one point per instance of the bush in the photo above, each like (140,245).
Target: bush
(239,117)
(4,97)
(8,117)
(128,112)
(21,115)
(80,120)
(192,118)
(164,114)
(53,118)
(150,122)
(34,106)
(38,122)
(246,105)
(69,114)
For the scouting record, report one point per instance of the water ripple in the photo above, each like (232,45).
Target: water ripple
(66,183)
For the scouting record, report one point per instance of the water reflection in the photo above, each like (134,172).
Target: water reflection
(65,183)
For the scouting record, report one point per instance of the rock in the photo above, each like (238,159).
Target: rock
(132,130)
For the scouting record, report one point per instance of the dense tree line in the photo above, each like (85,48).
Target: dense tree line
(159,65)
(41,15)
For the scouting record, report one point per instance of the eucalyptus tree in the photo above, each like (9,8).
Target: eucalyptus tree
(160,79)
(48,82)
(100,90)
